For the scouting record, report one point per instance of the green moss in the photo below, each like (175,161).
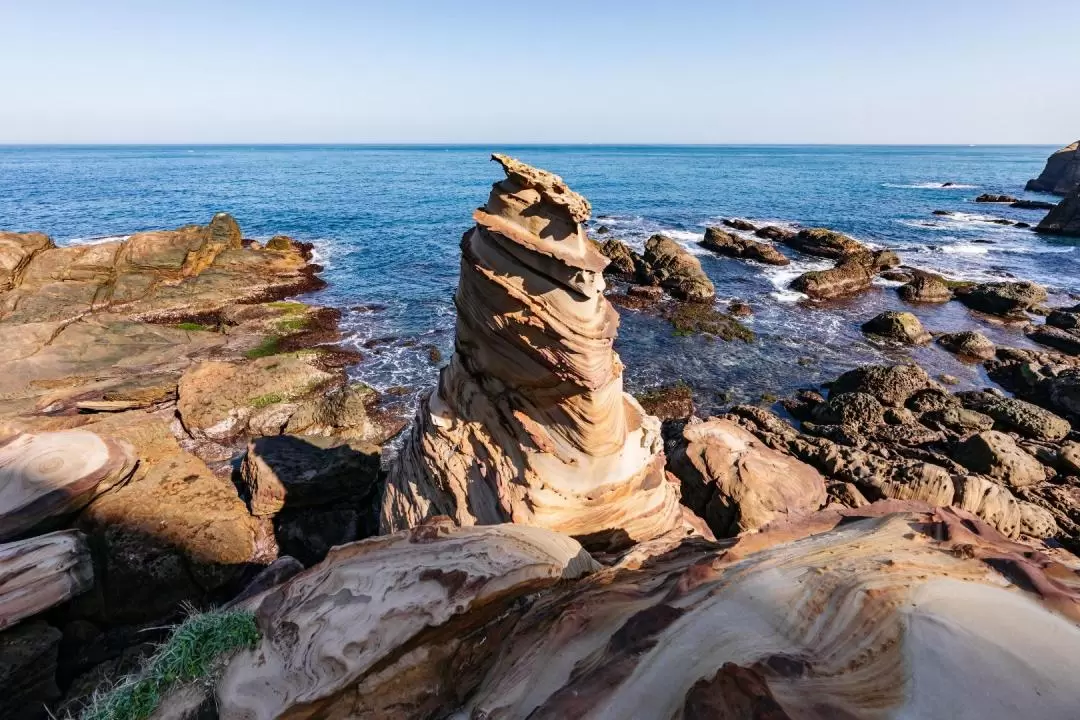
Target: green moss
(193,327)
(269,346)
(266,400)
(289,307)
(693,318)
(191,653)
(292,324)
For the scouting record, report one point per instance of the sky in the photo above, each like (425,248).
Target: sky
(471,71)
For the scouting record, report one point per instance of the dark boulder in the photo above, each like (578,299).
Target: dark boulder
(970,343)
(739,224)
(900,326)
(731,245)
(1061,174)
(822,242)
(677,271)
(1003,298)
(925,288)
(1064,219)
(990,198)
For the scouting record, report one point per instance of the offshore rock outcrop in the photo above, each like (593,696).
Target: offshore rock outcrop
(1061,174)
(529,422)
(1063,219)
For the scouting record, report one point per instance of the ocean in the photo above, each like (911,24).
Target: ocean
(386,222)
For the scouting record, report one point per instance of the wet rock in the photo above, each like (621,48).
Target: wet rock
(737,308)
(890,384)
(738,484)
(352,413)
(1067,341)
(677,271)
(970,343)
(774,233)
(900,326)
(670,402)
(821,242)
(925,288)
(1019,416)
(1033,205)
(996,454)
(1003,298)
(903,276)
(847,278)
(28,658)
(731,245)
(1063,219)
(991,198)
(625,263)
(1061,174)
(739,224)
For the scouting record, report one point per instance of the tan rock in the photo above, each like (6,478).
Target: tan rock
(900,326)
(529,422)
(16,251)
(737,483)
(41,572)
(393,627)
(677,271)
(997,455)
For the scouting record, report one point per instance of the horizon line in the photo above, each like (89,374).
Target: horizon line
(516,144)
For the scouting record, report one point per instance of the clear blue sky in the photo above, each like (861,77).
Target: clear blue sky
(779,71)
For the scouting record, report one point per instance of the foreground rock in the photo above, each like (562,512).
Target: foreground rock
(972,344)
(438,624)
(731,245)
(900,326)
(1061,175)
(925,288)
(739,485)
(1063,219)
(41,572)
(529,422)
(353,636)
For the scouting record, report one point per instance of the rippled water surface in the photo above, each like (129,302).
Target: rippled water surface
(387,222)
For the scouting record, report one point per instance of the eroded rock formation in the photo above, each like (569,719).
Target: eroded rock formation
(1061,174)
(529,422)
(1065,218)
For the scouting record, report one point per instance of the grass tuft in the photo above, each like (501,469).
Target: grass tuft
(193,327)
(269,346)
(290,325)
(266,400)
(191,653)
(289,307)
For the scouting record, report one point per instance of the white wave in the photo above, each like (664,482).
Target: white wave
(931,186)
(965,249)
(97,240)
(780,277)
(688,239)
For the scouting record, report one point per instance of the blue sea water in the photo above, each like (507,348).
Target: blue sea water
(387,220)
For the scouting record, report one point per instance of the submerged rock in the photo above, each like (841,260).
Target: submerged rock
(990,198)
(1061,174)
(670,402)
(900,326)
(772,232)
(529,421)
(739,224)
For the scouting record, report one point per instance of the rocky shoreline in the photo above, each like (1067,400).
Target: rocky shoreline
(175,430)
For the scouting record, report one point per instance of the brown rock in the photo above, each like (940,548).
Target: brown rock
(925,288)
(970,343)
(824,243)
(738,484)
(1061,174)
(771,232)
(997,455)
(677,271)
(900,326)
(670,402)
(731,245)
(1063,219)
(16,252)
(1003,298)
(739,224)
(1019,416)
(890,384)
(851,276)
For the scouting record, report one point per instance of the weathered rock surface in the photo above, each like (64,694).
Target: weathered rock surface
(670,402)
(890,384)
(677,271)
(969,343)
(991,198)
(529,422)
(925,288)
(900,326)
(736,246)
(1061,174)
(821,242)
(1063,219)
(394,627)
(853,273)
(1018,416)
(997,455)
(1003,298)
(46,476)
(41,572)
(738,484)
(739,224)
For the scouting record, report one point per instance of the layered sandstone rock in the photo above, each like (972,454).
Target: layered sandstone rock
(529,422)
(41,572)
(1061,174)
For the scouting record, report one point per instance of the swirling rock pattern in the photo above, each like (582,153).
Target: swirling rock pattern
(41,572)
(529,422)
(393,627)
(46,475)
(894,616)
